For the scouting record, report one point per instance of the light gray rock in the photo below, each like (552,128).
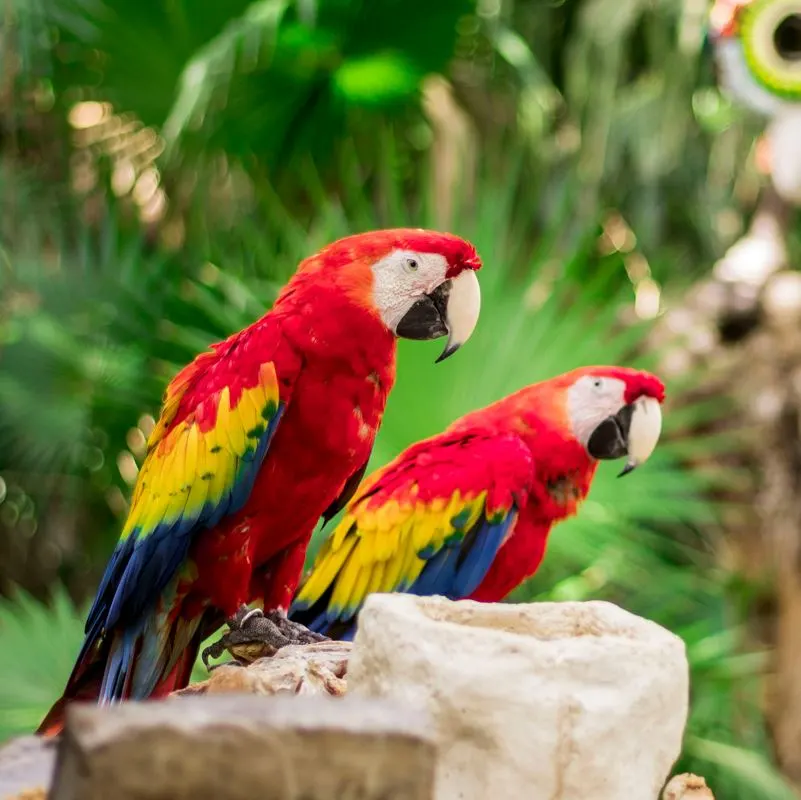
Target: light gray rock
(26,767)
(308,669)
(687,787)
(576,701)
(244,747)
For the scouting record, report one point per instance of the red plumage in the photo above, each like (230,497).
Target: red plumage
(540,417)
(467,513)
(256,440)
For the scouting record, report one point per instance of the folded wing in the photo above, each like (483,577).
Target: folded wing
(203,458)
(430,522)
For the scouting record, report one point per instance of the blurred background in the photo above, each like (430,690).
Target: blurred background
(165,164)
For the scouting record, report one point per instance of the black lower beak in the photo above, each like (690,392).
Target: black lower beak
(610,439)
(426,319)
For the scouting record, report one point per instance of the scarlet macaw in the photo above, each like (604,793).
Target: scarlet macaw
(467,513)
(257,439)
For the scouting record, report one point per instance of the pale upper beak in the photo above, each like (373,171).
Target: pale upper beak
(634,432)
(452,308)
(644,431)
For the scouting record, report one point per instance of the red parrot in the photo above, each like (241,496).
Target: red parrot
(467,513)
(257,439)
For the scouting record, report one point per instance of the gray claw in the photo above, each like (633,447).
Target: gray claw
(254,634)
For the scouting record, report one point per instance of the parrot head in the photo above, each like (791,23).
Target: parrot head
(421,284)
(615,412)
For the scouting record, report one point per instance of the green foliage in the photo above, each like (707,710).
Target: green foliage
(266,82)
(620,93)
(39,644)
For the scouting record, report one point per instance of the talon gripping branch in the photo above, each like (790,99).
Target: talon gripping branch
(257,439)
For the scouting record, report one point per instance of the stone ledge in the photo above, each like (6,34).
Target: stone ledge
(581,701)
(243,747)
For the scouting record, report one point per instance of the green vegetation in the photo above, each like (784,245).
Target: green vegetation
(278,126)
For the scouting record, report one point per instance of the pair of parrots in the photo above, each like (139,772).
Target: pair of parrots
(272,429)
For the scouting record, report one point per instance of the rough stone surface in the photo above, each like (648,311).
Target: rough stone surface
(687,787)
(238,747)
(26,766)
(576,701)
(312,669)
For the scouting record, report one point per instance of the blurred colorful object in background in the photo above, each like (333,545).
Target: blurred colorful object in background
(758,49)
(757,46)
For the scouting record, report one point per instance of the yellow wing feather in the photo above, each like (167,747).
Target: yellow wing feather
(188,470)
(378,549)
(432,521)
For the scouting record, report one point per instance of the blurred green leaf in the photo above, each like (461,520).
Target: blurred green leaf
(39,644)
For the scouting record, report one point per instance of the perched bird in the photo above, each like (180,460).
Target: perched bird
(467,513)
(258,439)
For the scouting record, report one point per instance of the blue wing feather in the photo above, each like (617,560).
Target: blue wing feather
(456,572)
(141,566)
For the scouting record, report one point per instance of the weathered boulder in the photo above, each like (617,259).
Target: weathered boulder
(243,747)
(26,765)
(581,701)
(298,669)
(687,787)
(575,700)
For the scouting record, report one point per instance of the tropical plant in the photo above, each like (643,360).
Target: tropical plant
(619,92)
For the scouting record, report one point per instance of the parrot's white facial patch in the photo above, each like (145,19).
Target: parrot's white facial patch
(590,400)
(610,428)
(402,278)
(417,300)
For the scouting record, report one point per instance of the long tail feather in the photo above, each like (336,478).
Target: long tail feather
(133,664)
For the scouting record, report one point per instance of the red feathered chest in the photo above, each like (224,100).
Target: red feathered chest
(335,373)
(563,473)
(329,426)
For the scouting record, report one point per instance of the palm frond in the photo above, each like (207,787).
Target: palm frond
(244,43)
(39,643)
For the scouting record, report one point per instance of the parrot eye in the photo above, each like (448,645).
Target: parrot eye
(412,265)
(771,38)
(597,383)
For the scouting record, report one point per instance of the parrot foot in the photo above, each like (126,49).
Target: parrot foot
(254,634)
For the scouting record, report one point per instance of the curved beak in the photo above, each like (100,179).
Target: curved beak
(634,432)
(452,309)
